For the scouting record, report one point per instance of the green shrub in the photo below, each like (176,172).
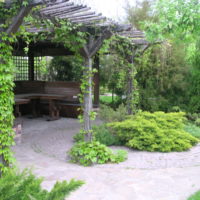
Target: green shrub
(175,109)
(192,129)
(25,186)
(88,153)
(104,136)
(192,116)
(157,131)
(195,196)
(108,114)
(79,137)
(197,122)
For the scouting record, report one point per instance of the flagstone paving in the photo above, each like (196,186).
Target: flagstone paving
(144,176)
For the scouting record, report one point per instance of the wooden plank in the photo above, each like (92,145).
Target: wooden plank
(81,10)
(59,5)
(62,10)
(84,17)
(90,19)
(77,13)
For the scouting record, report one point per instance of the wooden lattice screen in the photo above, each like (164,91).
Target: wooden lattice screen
(22,68)
(21,72)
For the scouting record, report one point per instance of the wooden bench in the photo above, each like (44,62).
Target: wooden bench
(19,102)
(57,95)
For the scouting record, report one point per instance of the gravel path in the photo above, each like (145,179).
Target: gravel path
(144,176)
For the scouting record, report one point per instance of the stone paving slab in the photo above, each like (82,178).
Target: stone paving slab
(144,176)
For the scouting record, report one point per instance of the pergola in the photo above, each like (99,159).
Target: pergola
(97,25)
(77,14)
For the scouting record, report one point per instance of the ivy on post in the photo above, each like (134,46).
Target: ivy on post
(93,44)
(11,19)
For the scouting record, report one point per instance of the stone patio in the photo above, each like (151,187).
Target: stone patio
(144,176)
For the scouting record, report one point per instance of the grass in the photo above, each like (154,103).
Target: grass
(195,196)
(107,99)
(193,130)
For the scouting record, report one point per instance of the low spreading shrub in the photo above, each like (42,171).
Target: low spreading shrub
(157,131)
(195,196)
(104,136)
(192,129)
(108,114)
(101,134)
(88,153)
(25,186)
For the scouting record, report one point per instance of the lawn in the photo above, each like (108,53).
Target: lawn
(107,99)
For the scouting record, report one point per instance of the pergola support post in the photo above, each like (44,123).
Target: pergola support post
(89,50)
(96,81)
(130,92)
(31,63)
(87,98)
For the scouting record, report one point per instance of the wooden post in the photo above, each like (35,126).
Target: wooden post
(89,50)
(88,98)
(96,81)
(130,87)
(31,63)
(129,92)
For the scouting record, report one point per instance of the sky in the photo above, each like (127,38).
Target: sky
(110,8)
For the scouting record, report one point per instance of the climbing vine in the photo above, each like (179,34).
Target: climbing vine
(6,102)
(125,65)
(6,85)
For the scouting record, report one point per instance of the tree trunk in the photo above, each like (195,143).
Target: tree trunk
(88,99)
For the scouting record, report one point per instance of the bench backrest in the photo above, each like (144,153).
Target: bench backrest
(25,87)
(70,89)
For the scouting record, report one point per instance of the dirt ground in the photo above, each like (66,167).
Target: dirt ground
(144,176)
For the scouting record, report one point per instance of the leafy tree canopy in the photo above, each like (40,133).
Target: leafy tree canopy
(177,19)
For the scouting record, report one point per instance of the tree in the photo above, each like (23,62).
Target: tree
(178,19)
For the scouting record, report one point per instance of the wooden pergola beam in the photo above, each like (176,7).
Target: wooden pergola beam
(64,10)
(89,19)
(70,13)
(60,5)
(17,20)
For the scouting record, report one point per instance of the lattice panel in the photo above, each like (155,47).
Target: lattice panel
(21,64)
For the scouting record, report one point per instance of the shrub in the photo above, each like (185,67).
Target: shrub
(108,114)
(192,129)
(192,116)
(197,122)
(157,131)
(88,153)
(195,196)
(79,137)
(25,186)
(104,136)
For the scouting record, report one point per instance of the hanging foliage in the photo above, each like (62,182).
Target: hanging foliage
(122,78)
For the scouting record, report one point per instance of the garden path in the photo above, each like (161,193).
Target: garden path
(144,176)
